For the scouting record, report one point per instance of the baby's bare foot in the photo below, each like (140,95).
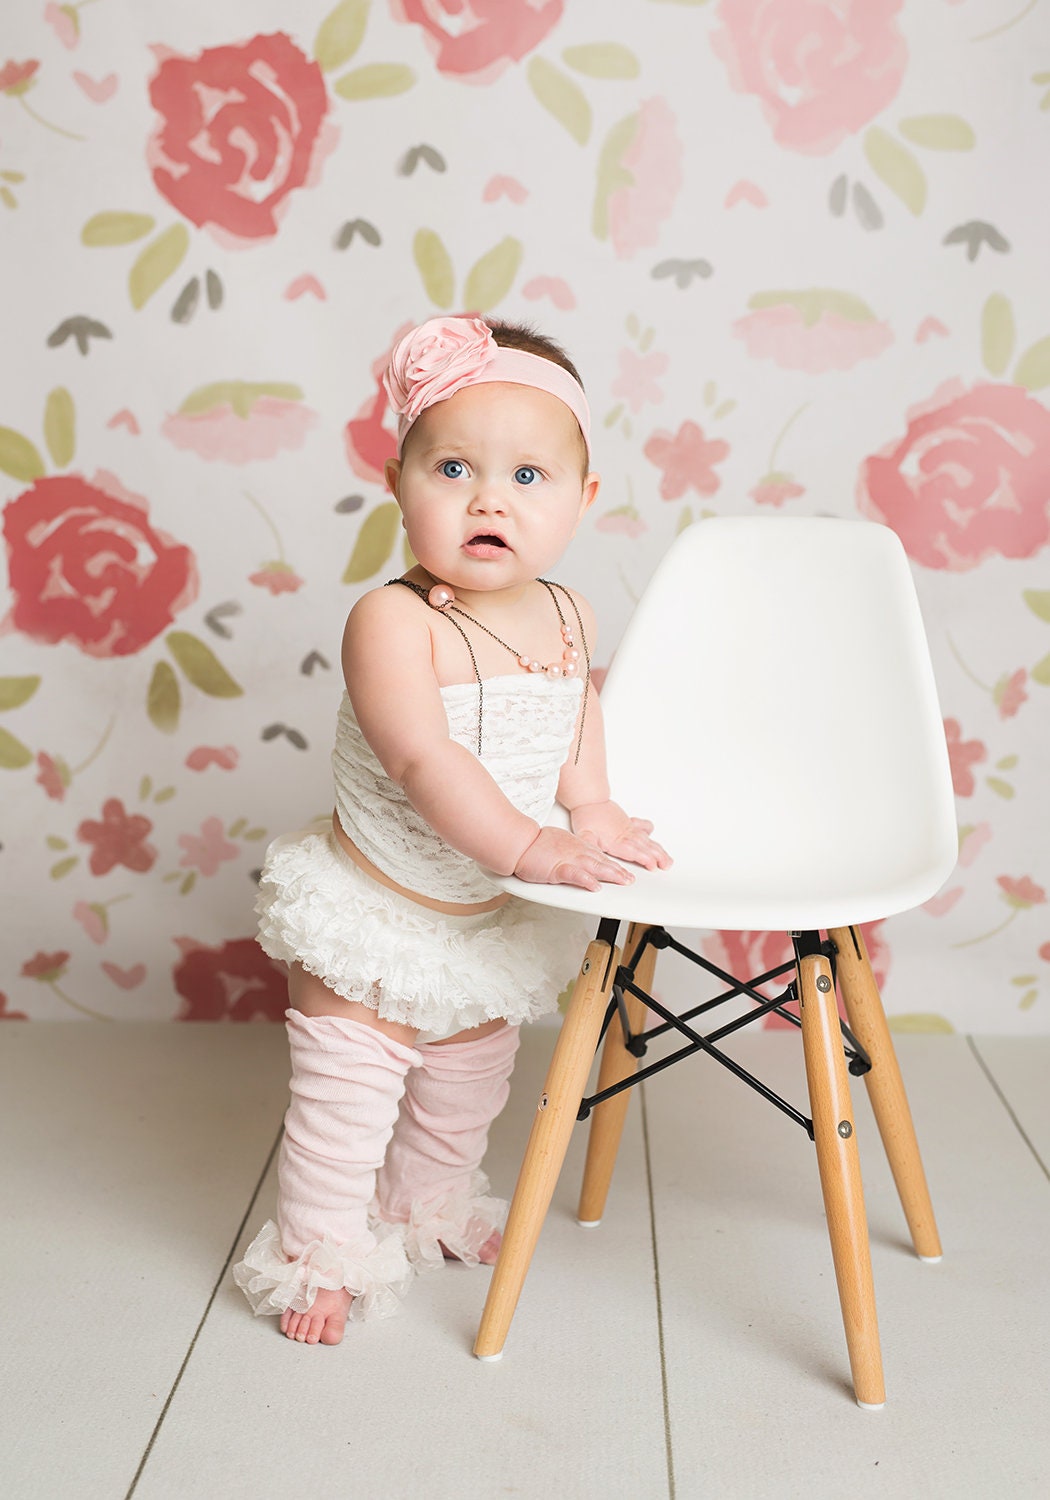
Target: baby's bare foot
(323,1323)
(486,1254)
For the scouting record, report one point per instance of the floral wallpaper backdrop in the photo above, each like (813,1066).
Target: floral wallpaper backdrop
(799,250)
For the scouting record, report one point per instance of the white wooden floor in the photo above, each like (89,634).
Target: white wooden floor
(690,1347)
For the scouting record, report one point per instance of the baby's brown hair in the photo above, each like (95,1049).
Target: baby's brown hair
(522,336)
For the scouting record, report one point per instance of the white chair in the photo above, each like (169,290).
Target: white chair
(772,709)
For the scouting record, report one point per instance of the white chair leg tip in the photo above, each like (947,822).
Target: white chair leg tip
(871,1405)
(932,1260)
(489,1359)
(588,1223)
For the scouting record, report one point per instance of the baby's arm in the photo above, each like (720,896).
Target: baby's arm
(584,790)
(397,702)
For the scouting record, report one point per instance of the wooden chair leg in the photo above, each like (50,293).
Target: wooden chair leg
(548,1142)
(839,1166)
(889,1102)
(603,1141)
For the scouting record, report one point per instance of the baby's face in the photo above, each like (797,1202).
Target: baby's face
(491,486)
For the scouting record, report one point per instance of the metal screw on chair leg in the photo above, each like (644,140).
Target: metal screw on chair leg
(845,1129)
(544,1101)
(823,983)
(586,966)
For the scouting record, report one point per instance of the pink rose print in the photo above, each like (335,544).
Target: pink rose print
(86,566)
(242,127)
(963,756)
(648,177)
(967,481)
(687,460)
(207,851)
(820,71)
(119,839)
(747,954)
(814,330)
(638,377)
(237,422)
(474,40)
(369,441)
(233,982)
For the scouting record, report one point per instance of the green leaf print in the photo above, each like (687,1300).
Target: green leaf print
(14,691)
(897,167)
(13,754)
(1033,368)
(612,174)
(492,277)
(19,458)
(202,666)
(939,132)
(1038,601)
(160,259)
(435,267)
(340,34)
(561,98)
(375,81)
(116,229)
(997,333)
(375,542)
(60,426)
(603,60)
(163,702)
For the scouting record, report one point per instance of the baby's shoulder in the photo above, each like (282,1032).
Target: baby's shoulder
(389,609)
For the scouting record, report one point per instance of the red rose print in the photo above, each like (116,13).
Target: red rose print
(86,566)
(369,441)
(475,39)
(119,839)
(234,982)
(241,128)
(968,479)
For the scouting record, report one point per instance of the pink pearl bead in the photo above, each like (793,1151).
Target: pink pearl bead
(524,661)
(440,597)
(566,633)
(554,670)
(570,655)
(535,666)
(569,669)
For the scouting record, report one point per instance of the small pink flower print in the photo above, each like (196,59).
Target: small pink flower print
(774,489)
(625,519)
(15,77)
(207,851)
(687,459)
(277,577)
(223,756)
(967,481)
(474,40)
(1021,892)
(650,174)
(814,331)
(64,22)
(820,71)
(1009,693)
(972,841)
(637,381)
(748,954)
(53,776)
(233,982)
(47,967)
(554,287)
(241,128)
(119,839)
(10,1015)
(235,422)
(92,917)
(963,755)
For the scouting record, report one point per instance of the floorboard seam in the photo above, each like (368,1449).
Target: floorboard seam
(204,1316)
(659,1299)
(986,1070)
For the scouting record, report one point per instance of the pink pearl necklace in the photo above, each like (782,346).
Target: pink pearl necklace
(441,597)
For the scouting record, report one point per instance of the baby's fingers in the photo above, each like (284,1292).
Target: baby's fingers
(592,874)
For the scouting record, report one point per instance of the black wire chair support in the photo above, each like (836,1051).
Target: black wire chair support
(637,1043)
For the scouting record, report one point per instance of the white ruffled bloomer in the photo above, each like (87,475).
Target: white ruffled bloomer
(437,972)
(378,1279)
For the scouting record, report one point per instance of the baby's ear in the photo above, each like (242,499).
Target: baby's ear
(392,475)
(591,486)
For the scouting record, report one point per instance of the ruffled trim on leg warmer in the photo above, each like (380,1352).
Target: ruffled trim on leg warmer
(460,1223)
(377,1278)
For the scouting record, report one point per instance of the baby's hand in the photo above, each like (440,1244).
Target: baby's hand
(609,827)
(556,857)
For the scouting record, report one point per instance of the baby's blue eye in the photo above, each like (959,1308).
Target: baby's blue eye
(453,469)
(525,475)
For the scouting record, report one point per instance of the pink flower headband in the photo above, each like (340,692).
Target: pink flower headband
(440,357)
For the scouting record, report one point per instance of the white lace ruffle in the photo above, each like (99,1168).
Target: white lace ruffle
(422,968)
(378,1278)
(460,1224)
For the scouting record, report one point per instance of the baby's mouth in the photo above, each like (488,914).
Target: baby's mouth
(486,539)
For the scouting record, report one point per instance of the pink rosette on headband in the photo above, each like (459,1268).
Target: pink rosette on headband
(434,361)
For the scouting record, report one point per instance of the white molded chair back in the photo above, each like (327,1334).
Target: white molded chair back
(772,709)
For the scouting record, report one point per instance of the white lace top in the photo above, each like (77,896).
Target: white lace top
(529,728)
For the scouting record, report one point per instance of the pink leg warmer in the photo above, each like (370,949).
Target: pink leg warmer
(347,1081)
(430,1179)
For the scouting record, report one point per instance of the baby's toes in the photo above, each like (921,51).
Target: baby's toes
(490,1249)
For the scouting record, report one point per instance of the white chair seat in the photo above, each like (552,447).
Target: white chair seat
(772,709)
